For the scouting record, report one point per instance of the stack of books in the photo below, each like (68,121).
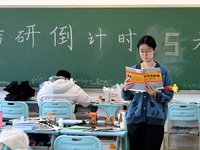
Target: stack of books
(24,125)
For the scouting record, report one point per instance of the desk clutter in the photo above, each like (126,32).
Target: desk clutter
(45,124)
(101,127)
(114,100)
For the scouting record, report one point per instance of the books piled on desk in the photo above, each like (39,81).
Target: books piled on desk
(24,125)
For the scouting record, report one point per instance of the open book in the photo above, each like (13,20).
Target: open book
(141,78)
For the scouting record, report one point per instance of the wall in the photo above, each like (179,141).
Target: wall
(64,3)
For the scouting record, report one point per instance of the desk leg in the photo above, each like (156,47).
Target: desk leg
(110,110)
(53,137)
(125,142)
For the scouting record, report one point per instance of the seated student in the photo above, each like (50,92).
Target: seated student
(60,88)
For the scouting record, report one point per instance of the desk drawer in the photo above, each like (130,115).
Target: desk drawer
(109,141)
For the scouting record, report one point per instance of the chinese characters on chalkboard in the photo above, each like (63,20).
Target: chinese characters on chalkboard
(31,32)
(65,35)
(1,36)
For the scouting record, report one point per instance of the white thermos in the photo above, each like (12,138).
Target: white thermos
(107,92)
(123,122)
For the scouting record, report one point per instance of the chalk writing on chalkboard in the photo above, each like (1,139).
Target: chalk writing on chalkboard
(31,32)
(198,40)
(63,36)
(121,39)
(192,86)
(37,79)
(100,35)
(96,43)
(1,36)
(91,82)
(66,36)
(5,82)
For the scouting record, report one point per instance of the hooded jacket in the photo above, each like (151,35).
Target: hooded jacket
(63,90)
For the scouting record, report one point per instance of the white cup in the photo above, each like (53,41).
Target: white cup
(107,96)
(14,121)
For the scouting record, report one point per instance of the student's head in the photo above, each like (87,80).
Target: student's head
(149,40)
(147,48)
(64,73)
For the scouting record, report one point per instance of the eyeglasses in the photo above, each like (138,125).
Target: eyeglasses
(145,52)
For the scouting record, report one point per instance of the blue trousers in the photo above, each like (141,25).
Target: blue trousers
(144,136)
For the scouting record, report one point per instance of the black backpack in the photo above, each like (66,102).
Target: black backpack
(19,92)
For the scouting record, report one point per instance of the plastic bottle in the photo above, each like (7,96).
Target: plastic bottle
(107,92)
(60,123)
(123,122)
(51,118)
(119,119)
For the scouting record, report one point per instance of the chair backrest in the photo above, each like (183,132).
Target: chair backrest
(14,109)
(7,148)
(183,112)
(65,142)
(62,109)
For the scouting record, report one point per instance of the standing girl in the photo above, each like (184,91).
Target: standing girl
(147,111)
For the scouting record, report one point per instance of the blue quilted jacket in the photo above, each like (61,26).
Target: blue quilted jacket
(144,108)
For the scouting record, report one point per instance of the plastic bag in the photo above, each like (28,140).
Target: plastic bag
(116,90)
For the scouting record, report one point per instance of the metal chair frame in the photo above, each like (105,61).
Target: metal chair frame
(182,112)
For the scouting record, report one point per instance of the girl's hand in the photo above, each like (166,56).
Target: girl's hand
(127,85)
(151,90)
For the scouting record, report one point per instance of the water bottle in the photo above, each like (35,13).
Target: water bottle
(107,92)
(60,124)
(123,122)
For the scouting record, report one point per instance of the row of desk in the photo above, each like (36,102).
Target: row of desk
(122,135)
(109,108)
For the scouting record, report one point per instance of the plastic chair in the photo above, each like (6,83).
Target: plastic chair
(62,109)
(7,148)
(14,109)
(182,112)
(65,142)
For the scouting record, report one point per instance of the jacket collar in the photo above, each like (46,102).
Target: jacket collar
(138,65)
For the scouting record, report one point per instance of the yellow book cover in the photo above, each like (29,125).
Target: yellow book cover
(141,78)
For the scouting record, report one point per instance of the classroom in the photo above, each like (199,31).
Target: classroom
(38,38)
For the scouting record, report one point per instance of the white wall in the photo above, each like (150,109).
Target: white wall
(64,3)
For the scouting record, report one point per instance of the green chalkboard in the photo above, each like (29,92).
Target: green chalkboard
(95,44)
